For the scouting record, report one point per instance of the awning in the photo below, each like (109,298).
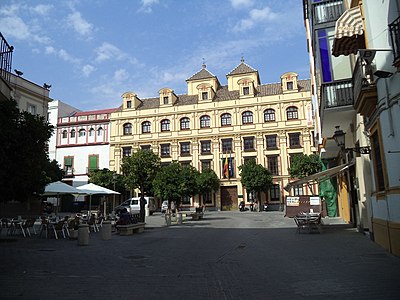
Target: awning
(349,33)
(319,176)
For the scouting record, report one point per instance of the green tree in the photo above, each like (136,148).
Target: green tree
(25,165)
(255,178)
(106,178)
(303,165)
(207,182)
(174,182)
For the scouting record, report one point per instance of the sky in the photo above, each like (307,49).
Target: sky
(93,51)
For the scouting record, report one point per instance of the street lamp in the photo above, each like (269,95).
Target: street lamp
(114,180)
(339,137)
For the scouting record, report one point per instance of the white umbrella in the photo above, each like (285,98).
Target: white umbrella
(58,188)
(93,189)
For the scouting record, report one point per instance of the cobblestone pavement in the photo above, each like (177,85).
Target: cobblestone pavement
(227,255)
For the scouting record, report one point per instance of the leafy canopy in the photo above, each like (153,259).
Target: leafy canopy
(303,165)
(207,181)
(255,177)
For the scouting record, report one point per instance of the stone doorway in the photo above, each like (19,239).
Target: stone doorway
(229,198)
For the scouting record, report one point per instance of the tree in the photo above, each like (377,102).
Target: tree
(255,178)
(303,165)
(106,178)
(174,182)
(207,182)
(25,165)
(139,171)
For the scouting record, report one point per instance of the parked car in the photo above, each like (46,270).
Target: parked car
(132,205)
(164,206)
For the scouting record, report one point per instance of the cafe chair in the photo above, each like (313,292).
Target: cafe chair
(59,227)
(29,224)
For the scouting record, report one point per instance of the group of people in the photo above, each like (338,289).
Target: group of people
(253,206)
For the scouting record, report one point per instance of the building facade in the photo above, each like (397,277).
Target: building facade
(214,125)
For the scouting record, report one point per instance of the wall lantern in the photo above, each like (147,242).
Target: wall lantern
(339,137)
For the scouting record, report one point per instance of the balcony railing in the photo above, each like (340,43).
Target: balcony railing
(5,58)
(394,29)
(338,93)
(327,11)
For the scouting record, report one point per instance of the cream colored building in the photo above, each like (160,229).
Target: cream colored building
(214,123)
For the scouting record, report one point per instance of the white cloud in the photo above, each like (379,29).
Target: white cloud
(63,54)
(14,27)
(239,4)
(256,17)
(146,5)
(87,70)
(121,75)
(42,9)
(50,50)
(108,51)
(79,24)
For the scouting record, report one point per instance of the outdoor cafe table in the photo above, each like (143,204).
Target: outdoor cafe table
(308,221)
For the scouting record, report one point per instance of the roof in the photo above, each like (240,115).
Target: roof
(95,112)
(202,74)
(242,68)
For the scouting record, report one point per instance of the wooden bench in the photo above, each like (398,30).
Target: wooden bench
(129,229)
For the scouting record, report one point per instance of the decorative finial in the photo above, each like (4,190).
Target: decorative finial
(204,64)
(242,59)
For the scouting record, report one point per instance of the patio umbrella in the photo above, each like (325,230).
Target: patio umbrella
(94,189)
(58,188)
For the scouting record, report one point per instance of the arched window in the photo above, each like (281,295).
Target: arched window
(82,132)
(226,119)
(165,125)
(72,133)
(247,117)
(292,113)
(185,123)
(64,134)
(127,129)
(204,121)
(269,115)
(146,127)
(100,131)
(91,132)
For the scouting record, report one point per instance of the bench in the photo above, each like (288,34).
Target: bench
(129,229)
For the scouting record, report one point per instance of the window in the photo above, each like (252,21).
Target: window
(378,165)
(31,109)
(274,192)
(93,162)
(185,148)
(298,190)
(91,132)
(64,134)
(269,115)
(186,200)
(248,143)
(185,123)
(294,140)
(271,141)
(185,163)
(247,117)
(204,95)
(68,165)
(205,147)
(289,85)
(146,127)
(165,149)
(248,158)
(126,151)
(205,164)
(246,90)
(273,164)
(128,104)
(226,145)
(292,113)
(145,147)
(207,198)
(165,99)
(226,120)
(165,125)
(72,133)
(127,129)
(81,132)
(99,131)
(204,121)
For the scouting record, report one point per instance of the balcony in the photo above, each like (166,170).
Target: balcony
(364,88)
(5,58)
(327,11)
(394,30)
(337,94)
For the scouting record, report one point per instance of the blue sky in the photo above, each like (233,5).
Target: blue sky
(92,51)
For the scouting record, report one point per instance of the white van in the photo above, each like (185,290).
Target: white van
(133,205)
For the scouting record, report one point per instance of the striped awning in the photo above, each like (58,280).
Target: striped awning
(349,33)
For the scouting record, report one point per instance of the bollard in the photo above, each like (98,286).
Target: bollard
(83,235)
(179,218)
(106,230)
(167,219)
(147,211)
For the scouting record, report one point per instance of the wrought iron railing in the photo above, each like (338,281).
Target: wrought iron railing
(394,29)
(5,58)
(327,11)
(337,93)
(362,77)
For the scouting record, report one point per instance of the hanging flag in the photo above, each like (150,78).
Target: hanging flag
(226,167)
(230,167)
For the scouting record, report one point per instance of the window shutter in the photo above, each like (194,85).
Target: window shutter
(68,161)
(93,162)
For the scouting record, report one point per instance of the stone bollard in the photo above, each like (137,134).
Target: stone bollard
(179,218)
(168,219)
(147,211)
(83,235)
(106,230)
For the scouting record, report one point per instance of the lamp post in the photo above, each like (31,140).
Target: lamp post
(339,137)
(114,180)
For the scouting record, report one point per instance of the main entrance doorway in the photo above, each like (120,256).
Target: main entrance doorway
(229,198)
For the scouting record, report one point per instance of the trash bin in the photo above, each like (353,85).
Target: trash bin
(106,230)
(83,235)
